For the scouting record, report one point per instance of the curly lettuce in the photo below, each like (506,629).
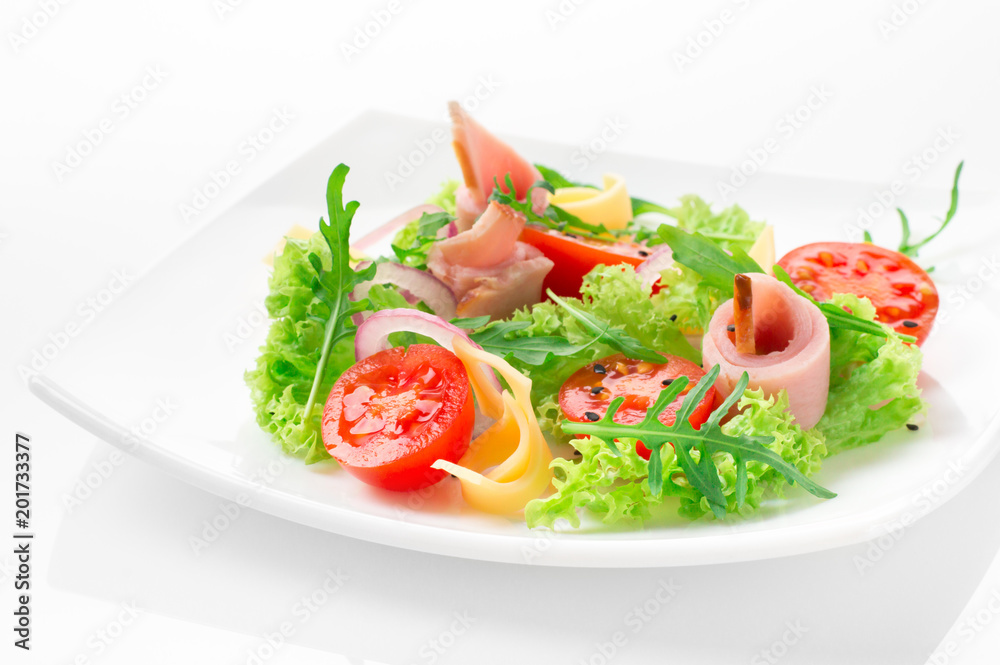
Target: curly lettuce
(873,382)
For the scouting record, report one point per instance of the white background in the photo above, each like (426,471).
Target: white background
(561,71)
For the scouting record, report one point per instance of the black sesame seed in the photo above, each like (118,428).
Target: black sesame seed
(673,317)
(596,390)
(452,475)
(910,324)
(577,453)
(591,416)
(912,427)
(570,235)
(599,369)
(731,328)
(643,252)
(667,382)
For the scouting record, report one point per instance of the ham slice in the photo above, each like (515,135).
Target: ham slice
(483,158)
(793,349)
(488,269)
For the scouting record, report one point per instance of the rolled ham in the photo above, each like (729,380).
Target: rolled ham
(793,349)
(487,268)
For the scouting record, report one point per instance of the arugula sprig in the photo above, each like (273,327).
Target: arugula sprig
(337,282)
(718,268)
(554,217)
(701,473)
(497,339)
(912,250)
(603,332)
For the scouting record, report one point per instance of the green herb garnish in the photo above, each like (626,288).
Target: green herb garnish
(911,250)
(690,443)
(616,338)
(413,243)
(336,283)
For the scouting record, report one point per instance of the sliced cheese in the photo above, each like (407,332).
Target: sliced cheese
(297,232)
(763,249)
(611,206)
(513,446)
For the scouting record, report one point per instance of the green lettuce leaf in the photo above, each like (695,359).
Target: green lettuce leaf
(865,371)
(731,228)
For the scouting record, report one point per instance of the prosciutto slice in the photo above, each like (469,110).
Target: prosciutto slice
(487,268)
(483,157)
(793,349)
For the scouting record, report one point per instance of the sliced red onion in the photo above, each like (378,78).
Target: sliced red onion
(414,285)
(650,269)
(373,335)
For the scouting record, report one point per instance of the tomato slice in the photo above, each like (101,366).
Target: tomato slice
(591,389)
(903,294)
(390,416)
(574,257)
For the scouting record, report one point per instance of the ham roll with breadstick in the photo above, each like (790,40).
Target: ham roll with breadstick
(779,338)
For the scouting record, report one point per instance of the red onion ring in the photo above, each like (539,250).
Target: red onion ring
(413,284)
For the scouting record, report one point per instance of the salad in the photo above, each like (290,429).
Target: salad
(564,349)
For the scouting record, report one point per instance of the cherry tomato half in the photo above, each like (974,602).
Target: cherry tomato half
(390,416)
(574,257)
(903,295)
(591,389)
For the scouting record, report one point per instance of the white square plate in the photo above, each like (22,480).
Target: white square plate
(182,336)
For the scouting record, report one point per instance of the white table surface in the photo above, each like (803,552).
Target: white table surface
(224,68)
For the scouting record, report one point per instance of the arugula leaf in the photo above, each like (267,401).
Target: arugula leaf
(337,282)
(701,473)
(414,241)
(470,323)
(616,338)
(912,250)
(554,217)
(705,257)
(529,350)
